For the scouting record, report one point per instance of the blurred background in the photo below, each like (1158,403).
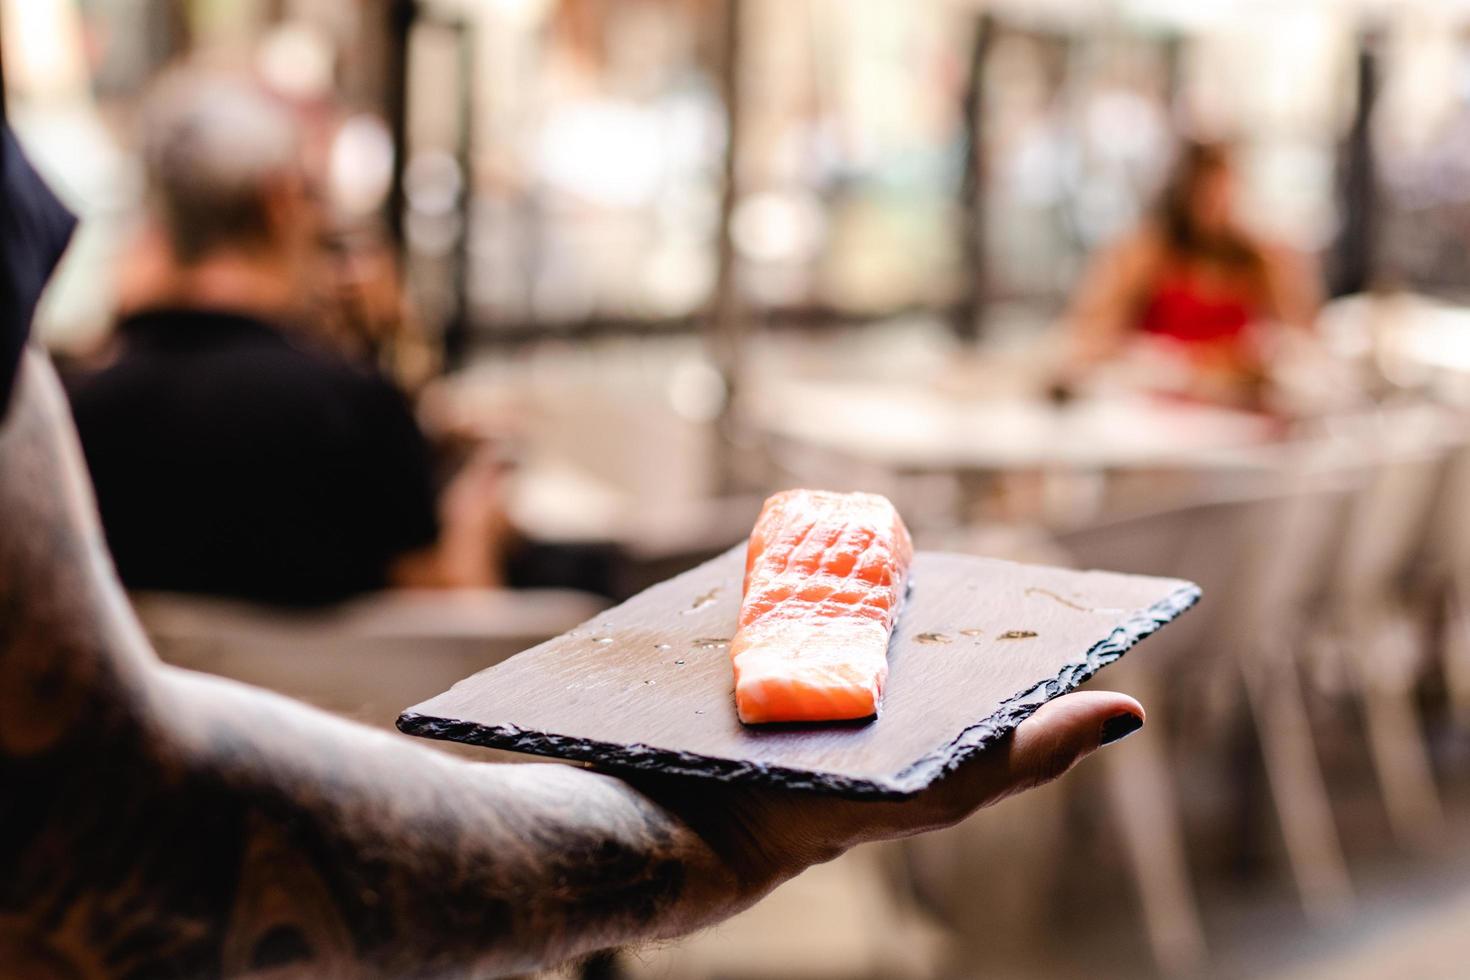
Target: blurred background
(403,335)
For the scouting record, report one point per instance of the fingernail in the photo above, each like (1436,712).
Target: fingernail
(1119,727)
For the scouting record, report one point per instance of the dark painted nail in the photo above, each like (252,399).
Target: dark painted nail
(1119,727)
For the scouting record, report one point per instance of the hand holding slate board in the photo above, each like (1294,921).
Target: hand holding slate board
(979,645)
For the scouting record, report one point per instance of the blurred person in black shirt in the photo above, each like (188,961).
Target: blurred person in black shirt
(232,451)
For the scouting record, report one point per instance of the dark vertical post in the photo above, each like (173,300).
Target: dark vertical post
(401,15)
(1355,252)
(725,324)
(970,312)
(6,296)
(457,325)
(1173,57)
(3,105)
(2,70)
(180,30)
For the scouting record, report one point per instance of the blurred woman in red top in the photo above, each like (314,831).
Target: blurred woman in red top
(1196,285)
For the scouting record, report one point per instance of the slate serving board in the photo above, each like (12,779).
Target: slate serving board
(979,645)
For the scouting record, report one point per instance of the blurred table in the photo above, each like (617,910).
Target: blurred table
(912,429)
(1405,340)
(1012,457)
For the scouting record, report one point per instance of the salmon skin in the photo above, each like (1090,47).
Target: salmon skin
(824,576)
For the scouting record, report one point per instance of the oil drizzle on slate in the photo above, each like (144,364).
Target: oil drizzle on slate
(1037,590)
(707,599)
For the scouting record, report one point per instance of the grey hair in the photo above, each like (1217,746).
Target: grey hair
(210,146)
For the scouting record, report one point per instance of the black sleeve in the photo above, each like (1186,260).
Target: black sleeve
(34,230)
(396,495)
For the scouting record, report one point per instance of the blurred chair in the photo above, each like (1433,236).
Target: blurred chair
(1442,578)
(1376,632)
(1291,549)
(1323,596)
(367,659)
(1265,560)
(1206,543)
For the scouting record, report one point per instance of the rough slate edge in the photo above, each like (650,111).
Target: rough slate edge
(922,773)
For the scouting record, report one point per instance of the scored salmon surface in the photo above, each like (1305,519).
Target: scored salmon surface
(824,576)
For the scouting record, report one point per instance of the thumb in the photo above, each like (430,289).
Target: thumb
(1063,732)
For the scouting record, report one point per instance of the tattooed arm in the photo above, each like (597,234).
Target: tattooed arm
(159,822)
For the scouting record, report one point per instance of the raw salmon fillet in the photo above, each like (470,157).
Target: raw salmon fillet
(824,576)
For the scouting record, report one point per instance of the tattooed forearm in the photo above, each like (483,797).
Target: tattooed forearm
(413,861)
(157,822)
